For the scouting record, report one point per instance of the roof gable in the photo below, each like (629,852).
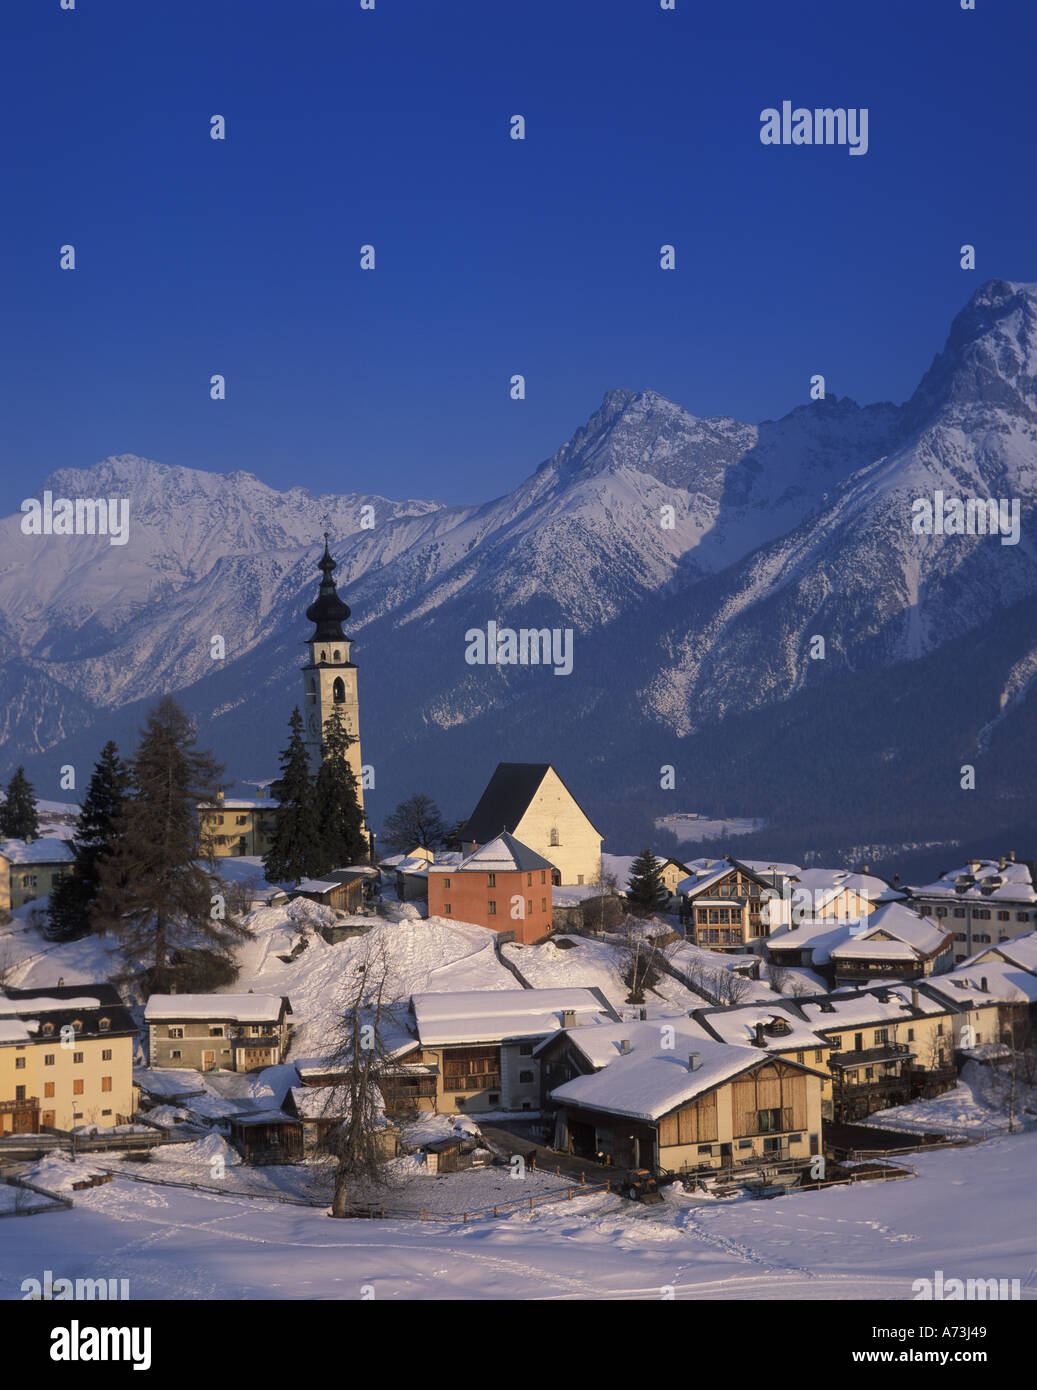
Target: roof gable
(508,797)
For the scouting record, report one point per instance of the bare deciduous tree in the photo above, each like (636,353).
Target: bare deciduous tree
(358,1141)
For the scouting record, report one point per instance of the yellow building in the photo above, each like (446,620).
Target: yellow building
(531,802)
(235,826)
(66,1059)
(646,1095)
(30,868)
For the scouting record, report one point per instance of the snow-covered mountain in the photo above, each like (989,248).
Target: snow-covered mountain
(781,532)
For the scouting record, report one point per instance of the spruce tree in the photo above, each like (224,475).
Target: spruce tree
(294,851)
(340,820)
(646,888)
(18,820)
(72,898)
(153,895)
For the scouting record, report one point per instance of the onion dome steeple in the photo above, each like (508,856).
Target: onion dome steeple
(328,611)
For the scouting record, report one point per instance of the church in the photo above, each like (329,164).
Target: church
(242,827)
(329,677)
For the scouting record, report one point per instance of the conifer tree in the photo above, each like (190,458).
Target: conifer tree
(153,895)
(339,817)
(294,851)
(73,897)
(646,888)
(18,820)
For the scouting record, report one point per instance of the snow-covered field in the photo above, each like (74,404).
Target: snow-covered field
(967,1214)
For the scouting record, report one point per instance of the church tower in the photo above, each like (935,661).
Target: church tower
(329,677)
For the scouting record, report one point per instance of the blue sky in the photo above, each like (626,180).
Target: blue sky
(494,256)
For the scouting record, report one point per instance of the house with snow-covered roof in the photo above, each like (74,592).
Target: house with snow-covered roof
(895,942)
(481,1043)
(984,902)
(722,904)
(231,1032)
(889,1045)
(504,885)
(772,1028)
(531,802)
(66,1058)
(668,1095)
(29,869)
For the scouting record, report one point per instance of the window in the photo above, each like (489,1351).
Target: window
(529,880)
(19,1093)
(1022,916)
(529,907)
(525,1078)
(106,1112)
(256,1029)
(336,655)
(701,916)
(19,1064)
(176,1054)
(106,1054)
(543,904)
(525,1049)
(494,1098)
(77,1088)
(338,691)
(910,1035)
(48,1060)
(216,1030)
(579,878)
(241,820)
(77,1058)
(48,1090)
(554,837)
(869,1073)
(446,909)
(543,875)
(819,1055)
(941,912)
(446,883)
(939,1030)
(706,1149)
(106,1083)
(174,1032)
(881,1036)
(1004,916)
(491,880)
(769,1121)
(959,912)
(47,1030)
(491,909)
(799,1056)
(104,1024)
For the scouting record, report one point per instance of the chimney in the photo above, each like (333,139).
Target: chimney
(694,1061)
(1011,856)
(61,982)
(914,998)
(643,1014)
(896,880)
(624,1046)
(865,868)
(568,1018)
(219,798)
(759,1036)
(1001,863)
(983,984)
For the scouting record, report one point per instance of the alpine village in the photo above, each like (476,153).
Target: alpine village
(268,982)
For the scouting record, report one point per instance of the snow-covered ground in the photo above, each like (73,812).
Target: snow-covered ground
(966,1214)
(687,826)
(974,1109)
